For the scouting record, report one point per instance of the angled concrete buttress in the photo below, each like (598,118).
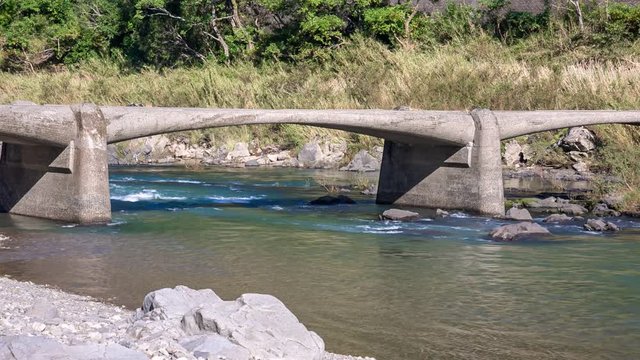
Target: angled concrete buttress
(68,183)
(447,176)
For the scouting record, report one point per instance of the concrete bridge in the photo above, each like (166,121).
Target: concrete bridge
(54,157)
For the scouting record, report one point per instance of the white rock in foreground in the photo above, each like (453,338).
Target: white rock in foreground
(77,327)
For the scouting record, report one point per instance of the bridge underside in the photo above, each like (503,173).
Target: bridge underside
(70,182)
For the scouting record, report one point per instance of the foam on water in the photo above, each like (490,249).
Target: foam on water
(146,195)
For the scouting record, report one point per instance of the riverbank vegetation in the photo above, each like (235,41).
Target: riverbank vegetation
(330,54)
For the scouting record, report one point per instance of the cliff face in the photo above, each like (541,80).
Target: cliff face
(533,6)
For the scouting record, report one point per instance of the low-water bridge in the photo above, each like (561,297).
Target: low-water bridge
(54,157)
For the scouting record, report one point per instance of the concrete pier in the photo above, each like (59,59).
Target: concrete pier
(60,183)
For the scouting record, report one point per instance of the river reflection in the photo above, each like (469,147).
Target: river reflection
(427,289)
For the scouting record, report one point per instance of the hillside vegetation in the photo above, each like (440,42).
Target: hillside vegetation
(329,54)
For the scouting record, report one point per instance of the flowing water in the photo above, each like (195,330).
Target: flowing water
(426,289)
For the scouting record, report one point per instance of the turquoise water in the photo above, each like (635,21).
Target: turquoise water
(427,289)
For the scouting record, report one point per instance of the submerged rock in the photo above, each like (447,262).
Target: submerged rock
(557,218)
(600,225)
(400,215)
(332,200)
(513,231)
(518,214)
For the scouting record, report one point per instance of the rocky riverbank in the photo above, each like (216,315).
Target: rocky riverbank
(40,322)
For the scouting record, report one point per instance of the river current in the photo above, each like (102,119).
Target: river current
(434,288)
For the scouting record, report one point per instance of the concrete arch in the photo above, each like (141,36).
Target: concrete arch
(517,123)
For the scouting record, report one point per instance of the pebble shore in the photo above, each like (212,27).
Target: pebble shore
(27,309)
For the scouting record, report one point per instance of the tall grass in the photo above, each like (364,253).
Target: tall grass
(480,72)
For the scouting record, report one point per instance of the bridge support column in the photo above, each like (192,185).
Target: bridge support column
(445,176)
(68,184)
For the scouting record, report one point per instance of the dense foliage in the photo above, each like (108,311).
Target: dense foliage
(169,33)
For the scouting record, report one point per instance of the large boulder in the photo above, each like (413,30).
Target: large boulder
(514,231)
(239,153)
(174,303)
(600,225)
(214,346)
(400,215)
(363,161)
(261,324)
(311,155)
(518,214)
(578,139)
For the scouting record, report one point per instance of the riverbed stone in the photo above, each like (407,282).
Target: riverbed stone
(311,155)
(362,162)
(174,303)
(600,225)
(400,215)
(557,218)
(515,154)
(514,231)
(518,214)
(578,139)
(553,204)
(602,210)
(239,152)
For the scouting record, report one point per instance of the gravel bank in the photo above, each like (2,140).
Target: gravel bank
(82,326)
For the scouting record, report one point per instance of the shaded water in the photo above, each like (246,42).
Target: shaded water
(426,289)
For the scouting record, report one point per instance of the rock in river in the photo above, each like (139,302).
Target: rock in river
(332,200)
(557,218)
(401,215)
(513,231)
(600,225)
(518,214)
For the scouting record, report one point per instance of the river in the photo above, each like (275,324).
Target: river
(434,288)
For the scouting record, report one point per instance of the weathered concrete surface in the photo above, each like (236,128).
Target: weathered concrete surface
(69,183)
(54,162)
(447,177)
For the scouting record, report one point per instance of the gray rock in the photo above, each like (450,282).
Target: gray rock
(103,351)
(311,155)
(240,150)
(362,162)
(45,312)
(516,154)
(572,209)
(400,215)
(557,218)
(23,347)
(602,210)
(600,225)
(252,163)
(514,231)
(552,204)
(262,325)
(214,346)
(613,201)
(174,303)
(518,214)
(442,213)
(332,200)
(578,139)
(580,167)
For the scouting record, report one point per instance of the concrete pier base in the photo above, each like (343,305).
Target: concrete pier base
(445,176)
(61,183)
